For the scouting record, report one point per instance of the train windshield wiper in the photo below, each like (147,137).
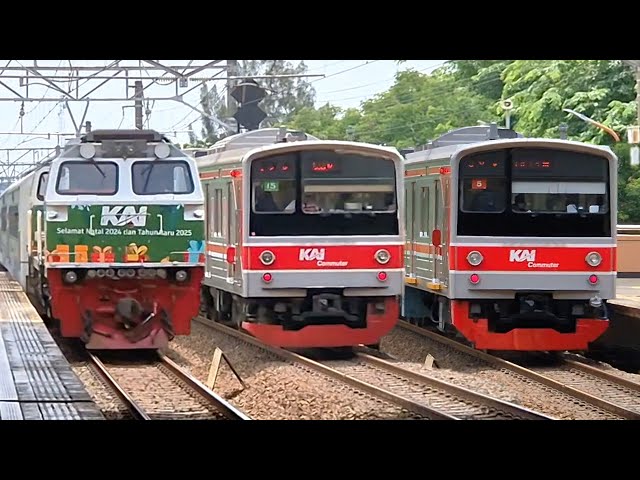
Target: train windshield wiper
(149,169)
(95,164)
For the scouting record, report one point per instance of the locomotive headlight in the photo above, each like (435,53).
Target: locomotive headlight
(198,213)
(594,259)
(87,151)
(383,256)
(181,275)
(267,257)
(70,277)
(475,258)
(162,150)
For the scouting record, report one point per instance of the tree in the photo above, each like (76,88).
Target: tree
(285,97)
(541,89)
(419,107)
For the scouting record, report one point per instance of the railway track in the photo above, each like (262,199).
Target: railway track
(616,397)
(158,389)
(428,397)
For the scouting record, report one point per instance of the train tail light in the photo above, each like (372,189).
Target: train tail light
(267,277)
(474,278)
(593,279)
(382,276)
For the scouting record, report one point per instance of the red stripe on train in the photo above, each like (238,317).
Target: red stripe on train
(324,257)
(534,258)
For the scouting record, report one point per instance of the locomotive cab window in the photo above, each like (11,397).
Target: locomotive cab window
(161,177)
(87,178)
(42,185)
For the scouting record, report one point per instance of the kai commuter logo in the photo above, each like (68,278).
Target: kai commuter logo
(120,216)
(522,256)
(310,254)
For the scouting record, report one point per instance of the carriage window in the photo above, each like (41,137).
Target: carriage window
(42,185)
(157,177)
(87,178)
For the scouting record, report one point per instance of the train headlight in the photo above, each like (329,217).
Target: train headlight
(87,151)
(181,275)
(383,256)
(70,277)
(475,258)
(162,150)
(267,257)
(594,259)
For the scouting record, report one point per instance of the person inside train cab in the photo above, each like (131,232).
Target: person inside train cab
(264,201)
(308,205)
(519,203)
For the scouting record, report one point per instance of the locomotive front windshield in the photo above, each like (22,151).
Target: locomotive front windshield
(158,177)
(323,192)
(87,178)
(534,192)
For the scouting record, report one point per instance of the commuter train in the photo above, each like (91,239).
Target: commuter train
(511,241)
(111,247)
(305,238)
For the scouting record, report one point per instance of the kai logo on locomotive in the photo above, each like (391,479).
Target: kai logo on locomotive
(120,216)
(522,256)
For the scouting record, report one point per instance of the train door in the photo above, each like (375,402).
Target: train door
(437,213)
(234,222)
(208,226)
(423,261)
(410,250)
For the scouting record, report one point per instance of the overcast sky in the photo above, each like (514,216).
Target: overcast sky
(346,83)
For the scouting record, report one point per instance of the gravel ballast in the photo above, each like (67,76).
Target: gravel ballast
(276,389)
(411,350)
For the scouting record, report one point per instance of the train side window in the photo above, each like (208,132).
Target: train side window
(42,185)
(208,209)
(3,219)
(219,222)
(13,221)
(424,213)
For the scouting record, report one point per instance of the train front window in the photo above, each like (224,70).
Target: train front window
(158,177)
(534,192)
(87,178)
(335,183)
(572,198)
(323,192)
(484,194)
